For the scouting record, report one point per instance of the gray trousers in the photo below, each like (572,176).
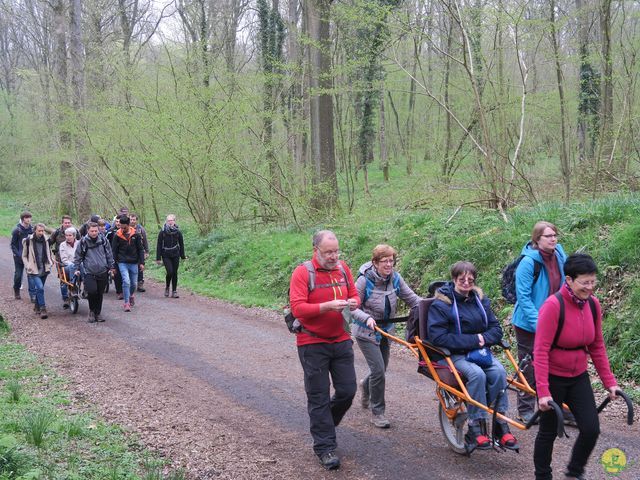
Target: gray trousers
(377,357)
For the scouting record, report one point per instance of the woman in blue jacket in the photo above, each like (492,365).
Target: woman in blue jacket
(539,275)
(461,320)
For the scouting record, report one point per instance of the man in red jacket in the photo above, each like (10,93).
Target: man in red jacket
(322,295)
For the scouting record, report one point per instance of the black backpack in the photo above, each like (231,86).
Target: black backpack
(594,314)
(508,282)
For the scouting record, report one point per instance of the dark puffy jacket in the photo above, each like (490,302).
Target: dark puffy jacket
(127,249)
(170,244)
(17,236)
(442,324)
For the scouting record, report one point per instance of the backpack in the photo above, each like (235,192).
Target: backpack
(508,281)
(293,324)
(370,286)
(594,314)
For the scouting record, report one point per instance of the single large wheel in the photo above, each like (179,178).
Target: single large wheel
(106,289)
(74,303)
(452,429)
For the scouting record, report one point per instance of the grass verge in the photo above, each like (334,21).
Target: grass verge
(44,436)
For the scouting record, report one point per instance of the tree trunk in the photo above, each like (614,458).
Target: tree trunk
(606,93)
(384,157)
(565,166)
(60,72)
(76,50)
(321,105)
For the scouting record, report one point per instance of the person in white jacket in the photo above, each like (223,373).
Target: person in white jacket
(67,251)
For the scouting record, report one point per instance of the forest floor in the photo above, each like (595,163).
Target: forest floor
(217,389)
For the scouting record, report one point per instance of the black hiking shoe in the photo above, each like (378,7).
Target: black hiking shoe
(476,437)
(91,318)
(16,293)
(505,438)
(141,287)
(329,460)
(166,292)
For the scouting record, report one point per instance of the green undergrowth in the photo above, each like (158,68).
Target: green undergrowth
(253,268)
(43,435)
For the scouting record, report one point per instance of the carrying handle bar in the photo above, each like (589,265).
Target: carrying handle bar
(558,411)
(627,400)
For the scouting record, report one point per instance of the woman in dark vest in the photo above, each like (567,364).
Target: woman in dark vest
(170,250)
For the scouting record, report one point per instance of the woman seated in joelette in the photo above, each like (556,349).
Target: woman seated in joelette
(461,320)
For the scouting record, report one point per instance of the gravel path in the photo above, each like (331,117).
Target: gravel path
(218,389)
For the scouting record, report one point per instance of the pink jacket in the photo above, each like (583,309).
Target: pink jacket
(579,330)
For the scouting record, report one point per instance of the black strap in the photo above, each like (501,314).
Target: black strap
(592,305)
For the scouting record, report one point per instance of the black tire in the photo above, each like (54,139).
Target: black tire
(106,289)
(73,301)
(452,429)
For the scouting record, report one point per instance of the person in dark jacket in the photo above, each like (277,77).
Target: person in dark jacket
(19,233)
(545,254)
(379,287)
(170,249)
(461,320)
(94,256)
(128,253)
(133,217)
(117,278)
(561,368)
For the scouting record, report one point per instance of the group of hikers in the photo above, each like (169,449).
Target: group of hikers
(331,308)
(90,256)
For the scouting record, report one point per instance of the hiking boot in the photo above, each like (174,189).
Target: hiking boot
(504,437)
(174,294)
(120,296)
(99,318)
(43,313)
(380,421)
(526,417)
(364,395)
(91,318)
(576,477)
(132,300)
(329,460)
(16,293)
(166,292)
(36,308)
(141,287)
(127,307)
(65,304)
(476,437)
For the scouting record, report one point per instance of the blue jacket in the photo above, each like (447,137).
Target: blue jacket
(17,235)
(530,296)
(442,328)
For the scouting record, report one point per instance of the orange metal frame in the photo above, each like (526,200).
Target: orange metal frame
(419,349)
(62,275)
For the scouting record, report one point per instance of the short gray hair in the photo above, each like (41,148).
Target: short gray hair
(171,216)
(320,235)
(71,230)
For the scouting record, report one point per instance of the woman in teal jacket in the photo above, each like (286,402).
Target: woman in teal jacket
(539,275)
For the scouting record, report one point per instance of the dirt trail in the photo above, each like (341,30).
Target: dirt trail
(218,389)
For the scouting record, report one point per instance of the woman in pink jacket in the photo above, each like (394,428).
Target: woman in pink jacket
(560,364)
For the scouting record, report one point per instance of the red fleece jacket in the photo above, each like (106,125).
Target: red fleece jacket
(305,305)
(578,330)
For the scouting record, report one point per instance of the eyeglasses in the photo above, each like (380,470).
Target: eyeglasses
(551,235)
(591,284)
(388,261)
(329,253)
(467,280)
